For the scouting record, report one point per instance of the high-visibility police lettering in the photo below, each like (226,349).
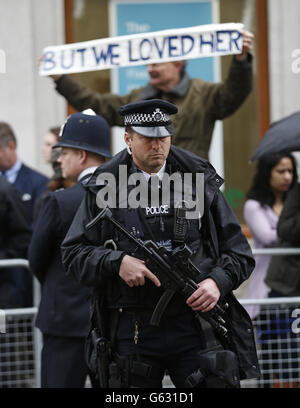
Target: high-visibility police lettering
(163,209)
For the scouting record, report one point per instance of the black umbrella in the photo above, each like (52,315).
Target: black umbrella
(282,136)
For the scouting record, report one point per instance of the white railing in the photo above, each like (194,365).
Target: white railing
(10,263)
(276,251)
(277,335)
(20,341)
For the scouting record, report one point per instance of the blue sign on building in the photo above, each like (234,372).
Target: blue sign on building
(131,17)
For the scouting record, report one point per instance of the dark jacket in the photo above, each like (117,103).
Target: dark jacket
(200,103)
(94,265)
(283,274)
(30,184)
(14,240)
(64,306)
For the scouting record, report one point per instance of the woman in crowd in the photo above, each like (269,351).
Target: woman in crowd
(275,175)
(283,278)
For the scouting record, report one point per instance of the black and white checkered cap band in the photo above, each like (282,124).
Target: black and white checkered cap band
(147,119)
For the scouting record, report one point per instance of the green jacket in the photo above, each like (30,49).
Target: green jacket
(199,103)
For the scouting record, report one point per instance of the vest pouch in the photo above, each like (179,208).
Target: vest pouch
(218,368)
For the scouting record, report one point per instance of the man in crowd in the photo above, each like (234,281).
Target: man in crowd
(15,236)
(30,184)
(127,290)
(63,315)
(200,103)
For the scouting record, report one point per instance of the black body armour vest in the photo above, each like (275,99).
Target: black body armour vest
(154,223)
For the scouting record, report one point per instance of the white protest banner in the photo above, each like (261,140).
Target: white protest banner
(140,49)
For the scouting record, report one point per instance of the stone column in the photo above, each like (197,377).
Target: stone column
(28,102)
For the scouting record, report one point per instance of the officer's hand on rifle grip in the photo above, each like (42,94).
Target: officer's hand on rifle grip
(205,297)
(134,271)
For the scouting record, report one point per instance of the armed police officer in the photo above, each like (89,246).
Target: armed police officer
(141,331)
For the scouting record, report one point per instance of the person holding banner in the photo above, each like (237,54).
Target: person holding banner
(200,103)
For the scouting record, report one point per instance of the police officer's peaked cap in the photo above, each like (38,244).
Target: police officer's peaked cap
(86,130)
(150,118)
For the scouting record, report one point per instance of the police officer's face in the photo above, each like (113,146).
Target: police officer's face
(70,162)
(148,153)
(165,75)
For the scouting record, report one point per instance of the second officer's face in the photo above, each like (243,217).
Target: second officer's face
(69,161)
(148,153)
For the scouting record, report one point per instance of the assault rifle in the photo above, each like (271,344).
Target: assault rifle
(174,269)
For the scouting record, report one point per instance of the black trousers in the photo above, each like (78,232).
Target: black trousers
(63,363)
(171,346)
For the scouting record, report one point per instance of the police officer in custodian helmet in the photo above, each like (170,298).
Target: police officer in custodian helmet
(63,314)
(139,346)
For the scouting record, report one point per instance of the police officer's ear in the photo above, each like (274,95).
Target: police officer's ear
(82,155)
(128,139)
